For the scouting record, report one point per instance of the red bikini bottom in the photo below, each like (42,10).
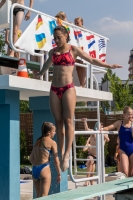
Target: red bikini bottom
(59,91)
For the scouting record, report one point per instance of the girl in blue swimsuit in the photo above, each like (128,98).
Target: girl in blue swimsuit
(39,158)
(125,131)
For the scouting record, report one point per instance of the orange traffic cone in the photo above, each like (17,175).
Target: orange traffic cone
(22,69)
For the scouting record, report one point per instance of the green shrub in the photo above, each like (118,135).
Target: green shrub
(81,141)
(22,146)
(106,152)
(24,107)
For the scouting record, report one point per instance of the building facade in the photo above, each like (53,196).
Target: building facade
(130,62)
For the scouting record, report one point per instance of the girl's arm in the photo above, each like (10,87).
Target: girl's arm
(132,127)
(111,127)
(87,145)
(47,64)
(79,52)
(56,161)
(27,16)
(106,138)
(32,157)
(116,152)
(85,124)
(2,3)
(7,37)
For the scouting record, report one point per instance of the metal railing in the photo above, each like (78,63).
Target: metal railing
(99,175)
(93,69)
(100,169)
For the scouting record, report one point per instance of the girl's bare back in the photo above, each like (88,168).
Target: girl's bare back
(18,1)
(42,150)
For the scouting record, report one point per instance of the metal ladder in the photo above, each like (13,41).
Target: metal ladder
(99,166)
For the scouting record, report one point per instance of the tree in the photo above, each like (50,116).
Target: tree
(2,44)
(107,75)
(122,94)
(22,146)
(24,107)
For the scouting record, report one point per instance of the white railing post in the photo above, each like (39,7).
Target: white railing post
(47,72)
(41,64)
(91,76)
(74,155)
(102,162)
(87,77)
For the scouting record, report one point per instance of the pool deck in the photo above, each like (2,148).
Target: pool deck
(26,188)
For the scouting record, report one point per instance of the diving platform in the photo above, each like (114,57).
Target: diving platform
(7,61)
(14,88)
(29,87)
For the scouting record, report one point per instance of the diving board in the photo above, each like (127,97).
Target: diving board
(32,88)
(92,191)
(7,61)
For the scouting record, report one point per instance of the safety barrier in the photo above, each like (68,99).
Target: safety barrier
(93,69)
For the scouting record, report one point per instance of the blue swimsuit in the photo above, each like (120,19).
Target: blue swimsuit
(37,169)
(126,140)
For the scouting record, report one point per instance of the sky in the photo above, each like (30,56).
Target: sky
(112,19)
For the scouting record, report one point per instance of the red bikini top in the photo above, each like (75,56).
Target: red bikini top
(65,59)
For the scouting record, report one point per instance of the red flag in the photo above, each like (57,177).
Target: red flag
(102,57)
(93,54)
(89,37)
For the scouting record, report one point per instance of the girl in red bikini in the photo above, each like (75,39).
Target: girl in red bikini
(62,93)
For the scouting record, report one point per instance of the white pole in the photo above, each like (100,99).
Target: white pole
(47,72)
(91,77)
(41,64)
(74,155)
(87,70)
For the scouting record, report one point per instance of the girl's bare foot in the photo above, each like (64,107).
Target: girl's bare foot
(17,55)
(65,163)
(61,161)
(11,55)
(86,183)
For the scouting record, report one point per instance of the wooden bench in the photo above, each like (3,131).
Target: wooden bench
(92,191)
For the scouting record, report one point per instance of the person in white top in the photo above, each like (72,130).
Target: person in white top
(18,14)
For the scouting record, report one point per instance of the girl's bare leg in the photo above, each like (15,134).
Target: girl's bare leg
(17,20)
(45,181)
(91,175)
(8,51)
(56,109)
(118,166)
(131,165)
(68,104)
(81,75)
(124,163)
(89,169)
(35,59)
(36,184)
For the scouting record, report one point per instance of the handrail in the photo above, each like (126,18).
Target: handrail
(95,132)
(88,120)
(97,70)
(85,146)
(78,107)
(38,12)
(81,179)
